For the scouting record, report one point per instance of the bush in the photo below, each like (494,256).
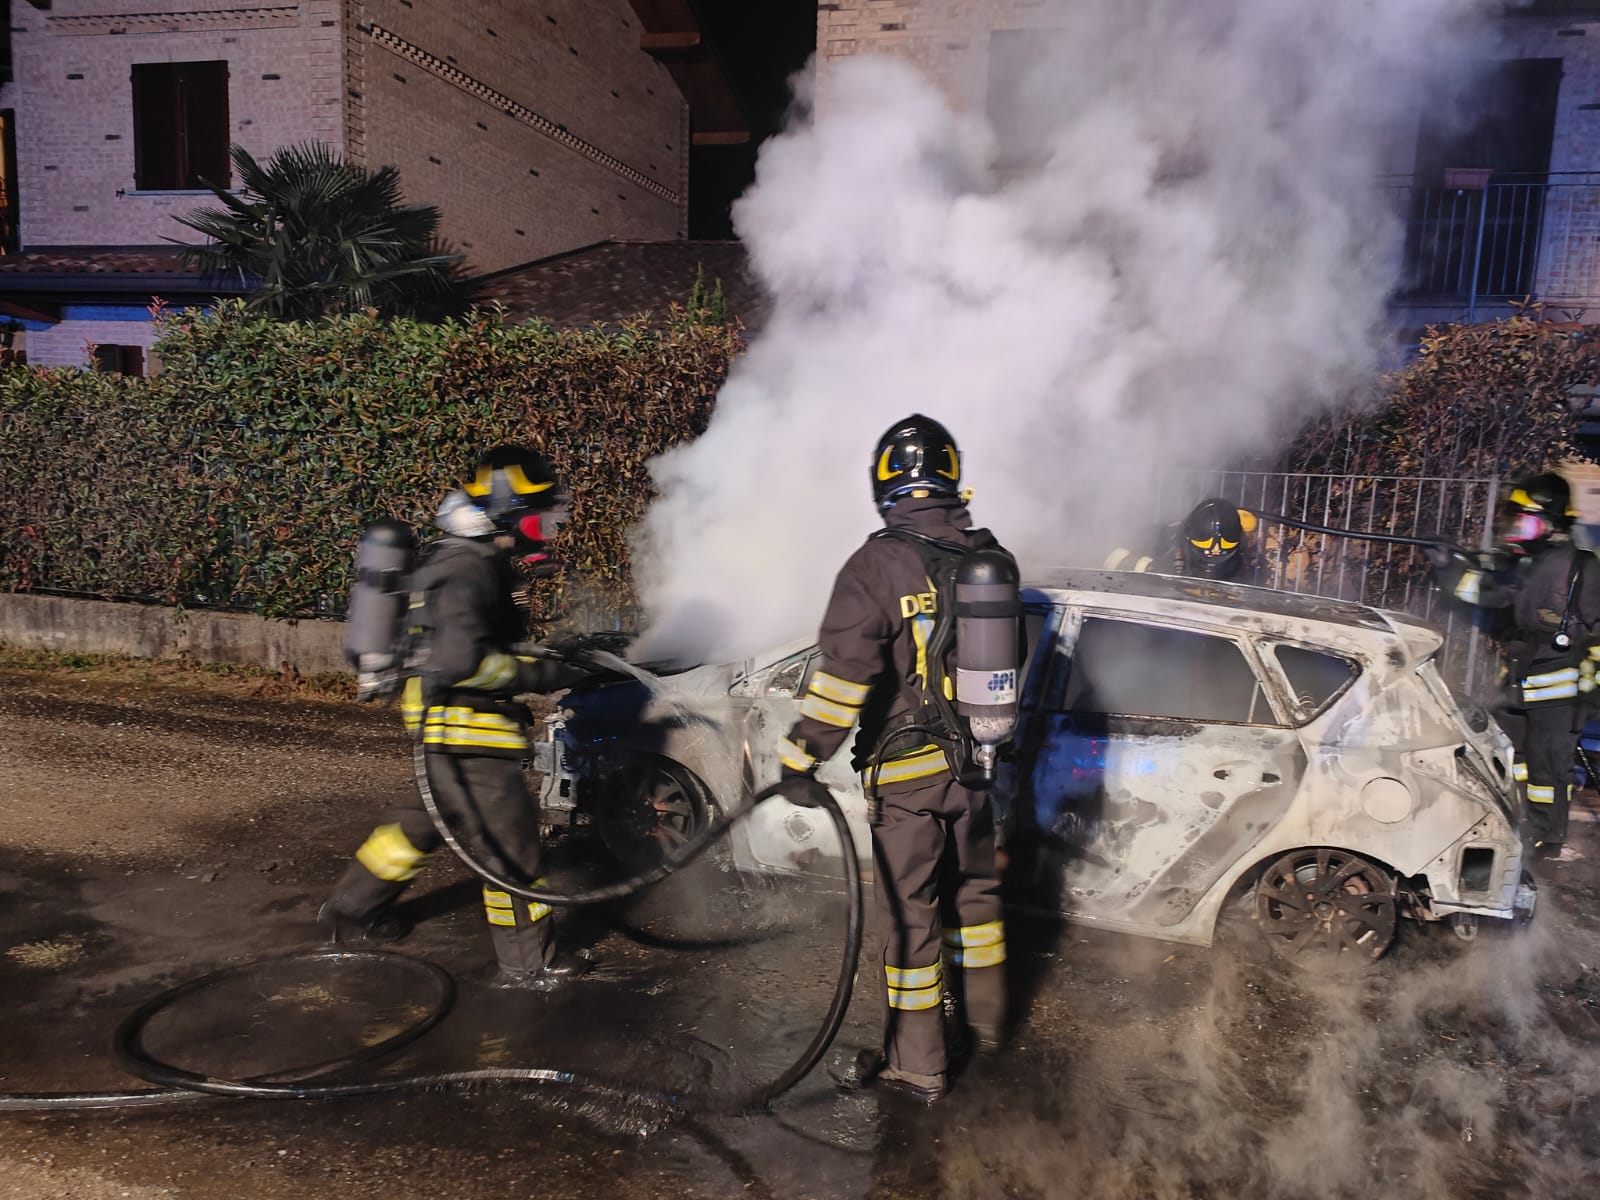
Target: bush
(242,475)
(1479,401)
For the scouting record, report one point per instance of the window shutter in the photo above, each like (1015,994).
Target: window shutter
(205,95)
(155,127)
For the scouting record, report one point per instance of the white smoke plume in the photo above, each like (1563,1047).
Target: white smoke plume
(1190,261)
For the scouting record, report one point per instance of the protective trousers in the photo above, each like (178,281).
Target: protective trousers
(487,804)
(938,901)
(1545,737)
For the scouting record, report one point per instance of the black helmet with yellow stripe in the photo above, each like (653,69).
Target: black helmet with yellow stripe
(1213,539)
(518,491)
(1538,507)
(916,456)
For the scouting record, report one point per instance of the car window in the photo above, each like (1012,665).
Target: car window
(787,676)
(1123,668)
(1315,677)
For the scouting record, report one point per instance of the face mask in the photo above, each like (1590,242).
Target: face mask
(1528,527)
(533,534)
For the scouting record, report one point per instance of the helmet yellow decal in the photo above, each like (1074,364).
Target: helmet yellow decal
(1522,500)
(1202,543)
(954,473)
(884,473)
(520,483)
(1227,545)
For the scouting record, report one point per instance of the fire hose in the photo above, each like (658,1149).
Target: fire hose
(178,1085)
(1360,535)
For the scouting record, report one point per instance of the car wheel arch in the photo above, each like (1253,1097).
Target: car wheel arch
(1243,881)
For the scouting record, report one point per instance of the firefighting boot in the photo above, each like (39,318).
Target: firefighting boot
(340,926)
(562,969)
(871,1069)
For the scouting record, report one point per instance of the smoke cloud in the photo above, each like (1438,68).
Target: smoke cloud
(1160,246)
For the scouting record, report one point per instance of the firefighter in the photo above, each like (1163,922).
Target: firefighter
(474,732)
(938,890)
(1547,591)
(1212,542)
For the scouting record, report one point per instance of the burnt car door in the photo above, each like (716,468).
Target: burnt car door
(1151,760)
(777,836)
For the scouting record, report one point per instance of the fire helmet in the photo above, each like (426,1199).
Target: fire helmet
(1539,505)
(1212,539)
(915,456)
(517,490)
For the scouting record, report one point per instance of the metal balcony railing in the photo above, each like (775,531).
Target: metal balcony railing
(1519,236)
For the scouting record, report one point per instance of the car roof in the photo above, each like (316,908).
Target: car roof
(1069,585)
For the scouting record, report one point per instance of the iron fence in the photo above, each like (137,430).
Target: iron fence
(1382,575)
(1519,236)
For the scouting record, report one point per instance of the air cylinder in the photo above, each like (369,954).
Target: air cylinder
(380,596)
(988,604)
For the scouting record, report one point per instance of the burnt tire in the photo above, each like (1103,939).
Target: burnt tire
(647,807)
(1326,910)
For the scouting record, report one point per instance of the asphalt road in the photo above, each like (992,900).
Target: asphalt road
(155,829)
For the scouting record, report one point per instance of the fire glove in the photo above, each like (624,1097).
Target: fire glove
(802,790)
(1440,555)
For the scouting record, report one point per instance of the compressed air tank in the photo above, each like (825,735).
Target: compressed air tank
(381,594)
(988,604)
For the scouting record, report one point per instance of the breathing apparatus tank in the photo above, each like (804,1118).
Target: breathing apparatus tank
(375,634)
(987,606)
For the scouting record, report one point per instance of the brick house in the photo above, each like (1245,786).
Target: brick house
(1526,224)
(536,126)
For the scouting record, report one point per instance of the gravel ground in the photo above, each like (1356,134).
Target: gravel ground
(155,827)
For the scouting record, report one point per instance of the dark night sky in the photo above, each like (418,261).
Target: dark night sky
(758,44)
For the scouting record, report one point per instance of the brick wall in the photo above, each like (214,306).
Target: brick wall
(949,39)
(535,128)
(66,343)
(73,98)
(1569,265)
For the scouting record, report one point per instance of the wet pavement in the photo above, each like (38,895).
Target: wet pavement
(154,831)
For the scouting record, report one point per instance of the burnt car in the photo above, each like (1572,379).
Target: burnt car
(1186,749)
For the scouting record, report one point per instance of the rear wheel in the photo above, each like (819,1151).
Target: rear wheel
(1326,908)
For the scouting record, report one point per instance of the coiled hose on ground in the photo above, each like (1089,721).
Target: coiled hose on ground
(176,1085)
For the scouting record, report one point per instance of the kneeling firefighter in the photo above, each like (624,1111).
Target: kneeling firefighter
(463,624)
(1548,590)
(1212,542)
(922,630)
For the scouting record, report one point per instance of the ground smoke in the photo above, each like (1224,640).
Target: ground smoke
(1166,248)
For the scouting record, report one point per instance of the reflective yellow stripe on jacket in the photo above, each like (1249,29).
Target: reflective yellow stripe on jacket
(458,728)
(832,700)
(411,704)
(495,672)
(928,760)
(1551,685)
(794,756)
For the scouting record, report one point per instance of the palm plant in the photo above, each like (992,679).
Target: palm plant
(313,235)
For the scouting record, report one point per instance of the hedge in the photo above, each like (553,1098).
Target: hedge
(241,475)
